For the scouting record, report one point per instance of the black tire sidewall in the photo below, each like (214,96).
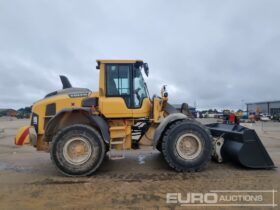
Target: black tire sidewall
(170,151)
(95,141)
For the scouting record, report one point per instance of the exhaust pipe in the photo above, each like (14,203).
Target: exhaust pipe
(65,82)
(240,144)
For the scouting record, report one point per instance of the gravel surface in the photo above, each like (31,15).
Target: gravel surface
(28,180)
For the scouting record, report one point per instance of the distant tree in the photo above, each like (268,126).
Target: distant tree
(25,109)
(24,112)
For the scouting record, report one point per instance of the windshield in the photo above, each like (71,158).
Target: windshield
(140,90)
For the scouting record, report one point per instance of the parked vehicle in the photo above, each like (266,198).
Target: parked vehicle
(264,117)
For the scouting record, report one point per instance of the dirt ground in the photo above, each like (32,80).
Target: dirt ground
(28,180)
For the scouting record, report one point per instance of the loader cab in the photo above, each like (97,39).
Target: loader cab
(123,92)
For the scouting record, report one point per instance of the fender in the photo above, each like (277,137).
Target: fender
(102,125)
(163,125)
(93,119)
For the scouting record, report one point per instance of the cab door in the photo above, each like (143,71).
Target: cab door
(142,104)
(118,100)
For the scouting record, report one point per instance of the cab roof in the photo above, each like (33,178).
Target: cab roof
(140,62)
(118,61)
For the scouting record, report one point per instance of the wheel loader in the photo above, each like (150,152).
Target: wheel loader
(79,127)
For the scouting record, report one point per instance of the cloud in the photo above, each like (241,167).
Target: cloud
(211,53)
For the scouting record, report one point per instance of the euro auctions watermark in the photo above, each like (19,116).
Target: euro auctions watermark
(238,198)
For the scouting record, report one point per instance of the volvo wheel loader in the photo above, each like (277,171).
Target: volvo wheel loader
(78,126)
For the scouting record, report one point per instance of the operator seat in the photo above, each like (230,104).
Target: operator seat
(112,88)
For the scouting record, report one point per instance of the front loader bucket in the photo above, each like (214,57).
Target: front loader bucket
(241,145)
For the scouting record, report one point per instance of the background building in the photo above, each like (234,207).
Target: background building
(8,112)
(267,107)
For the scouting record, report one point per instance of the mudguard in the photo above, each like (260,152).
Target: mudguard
(94,119)
(102,125)
(163,125)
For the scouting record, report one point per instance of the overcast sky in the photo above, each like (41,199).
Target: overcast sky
(215,54)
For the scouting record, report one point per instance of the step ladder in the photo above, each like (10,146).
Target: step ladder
(118,136)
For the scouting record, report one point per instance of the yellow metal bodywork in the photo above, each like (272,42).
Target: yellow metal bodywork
(26,135)
(144,110)
(61,101)
(158,107)
(115,107)
(104,61)
(120,118)
(22,136)
(120,130)
(102,86)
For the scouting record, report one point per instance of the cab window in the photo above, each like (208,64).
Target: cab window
(140,91)
(118,82)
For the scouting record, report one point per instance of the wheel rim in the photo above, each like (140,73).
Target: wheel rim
(77,150)
(188,146)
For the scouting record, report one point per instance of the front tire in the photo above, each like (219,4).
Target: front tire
(187,146)
(77,150)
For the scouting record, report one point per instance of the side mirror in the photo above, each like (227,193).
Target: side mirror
(146,69)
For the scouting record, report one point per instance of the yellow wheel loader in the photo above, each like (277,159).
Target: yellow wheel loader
(78,126)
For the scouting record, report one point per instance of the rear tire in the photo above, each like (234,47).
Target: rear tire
(187,146)
(77,150)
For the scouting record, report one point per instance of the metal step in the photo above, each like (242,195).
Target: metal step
(117,154)
(118,132)
(117,142)
(117,128)
(116,157)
